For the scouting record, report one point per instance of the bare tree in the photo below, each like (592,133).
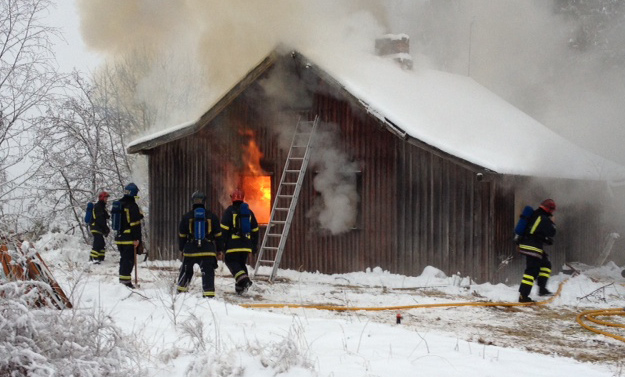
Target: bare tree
(28,79)
(81,151)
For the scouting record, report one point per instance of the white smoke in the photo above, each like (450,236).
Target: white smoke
(336,208)
(199,49)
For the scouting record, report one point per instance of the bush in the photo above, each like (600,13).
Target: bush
(48,342)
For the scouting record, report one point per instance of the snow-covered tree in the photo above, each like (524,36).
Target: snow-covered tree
(28,79)
(80,148)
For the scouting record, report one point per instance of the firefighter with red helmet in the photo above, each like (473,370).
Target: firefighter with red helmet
(540,230)
(199,240)
(99,228)
(240,232)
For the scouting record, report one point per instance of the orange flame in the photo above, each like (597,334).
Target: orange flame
(258,196)
(256,183)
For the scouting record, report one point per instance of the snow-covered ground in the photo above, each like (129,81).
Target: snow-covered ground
(187,335)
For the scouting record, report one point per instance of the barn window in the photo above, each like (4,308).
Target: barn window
(344,213)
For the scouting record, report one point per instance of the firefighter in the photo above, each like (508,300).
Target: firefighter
(99,228)
(128,238)
(240,232)
(540,230)
(199,247)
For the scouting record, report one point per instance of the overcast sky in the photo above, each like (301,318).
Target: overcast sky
(71,52)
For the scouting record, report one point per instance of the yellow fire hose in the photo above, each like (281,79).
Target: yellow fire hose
(586,315)
(590,315)
(404,307)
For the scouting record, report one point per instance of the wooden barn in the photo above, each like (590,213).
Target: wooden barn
(412,168)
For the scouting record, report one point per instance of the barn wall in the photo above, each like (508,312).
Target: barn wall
(445,216)
(416,209)
(372,242)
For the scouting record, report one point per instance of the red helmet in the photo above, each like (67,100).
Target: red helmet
(237,195)
(103,195)
(548,205)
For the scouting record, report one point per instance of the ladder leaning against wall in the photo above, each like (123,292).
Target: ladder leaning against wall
(276,234)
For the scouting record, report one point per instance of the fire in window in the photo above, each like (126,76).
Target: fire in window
(258,195)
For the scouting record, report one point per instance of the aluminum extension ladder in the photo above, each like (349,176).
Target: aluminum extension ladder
(283,208)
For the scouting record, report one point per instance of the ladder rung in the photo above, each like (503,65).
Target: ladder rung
(289,183)
(279,222)
(285,196)
(281,209)
(292,171)
(269,261)
(270,247)
(296,158)
(274,234)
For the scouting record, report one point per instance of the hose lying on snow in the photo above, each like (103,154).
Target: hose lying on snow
(380,308)
(591,316)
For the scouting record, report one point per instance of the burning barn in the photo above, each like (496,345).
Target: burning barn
(409,169)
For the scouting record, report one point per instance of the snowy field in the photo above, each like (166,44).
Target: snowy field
(155,332)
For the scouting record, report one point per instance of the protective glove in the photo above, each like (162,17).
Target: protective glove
(140,249)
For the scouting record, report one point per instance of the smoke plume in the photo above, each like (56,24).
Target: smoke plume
(214,43)
(337,207)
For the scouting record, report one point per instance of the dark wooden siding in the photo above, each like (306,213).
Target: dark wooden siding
(416,208)
(372,242)
(444,216)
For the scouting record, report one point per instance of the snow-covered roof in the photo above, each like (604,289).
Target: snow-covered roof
(460,117)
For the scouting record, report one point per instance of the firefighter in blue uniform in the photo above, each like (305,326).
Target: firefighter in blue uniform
(128,239)
(540,230)
(238,246)
(99,228)
(203,251)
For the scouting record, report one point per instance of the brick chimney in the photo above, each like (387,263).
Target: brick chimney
(395,46)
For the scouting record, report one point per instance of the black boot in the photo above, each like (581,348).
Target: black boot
(544,292)
(242,285)
(524,293)
(247,285)
(524,298)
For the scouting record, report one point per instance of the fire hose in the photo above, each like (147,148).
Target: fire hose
(589,315)
(403,307)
